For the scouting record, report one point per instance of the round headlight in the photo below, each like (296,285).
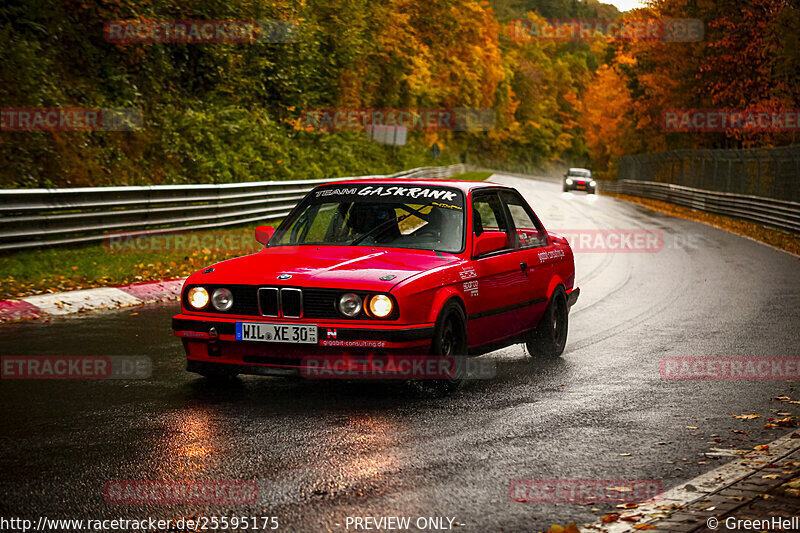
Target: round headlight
(569,181)
(592,183)
(380,305)
(350,304)
(198,297)
(222,299)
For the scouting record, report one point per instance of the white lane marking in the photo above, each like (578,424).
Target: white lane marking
(716,479)
(66,303)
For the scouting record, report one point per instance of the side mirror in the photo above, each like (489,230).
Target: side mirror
(488,241)
(264,234)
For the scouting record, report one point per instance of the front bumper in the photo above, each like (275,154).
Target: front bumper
(579,187)
(208,341)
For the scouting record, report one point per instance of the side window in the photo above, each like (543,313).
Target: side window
(528,231)
(488,214)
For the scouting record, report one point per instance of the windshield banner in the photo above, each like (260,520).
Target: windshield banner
(417,194)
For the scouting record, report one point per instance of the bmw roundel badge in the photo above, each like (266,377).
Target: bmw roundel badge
(285,276)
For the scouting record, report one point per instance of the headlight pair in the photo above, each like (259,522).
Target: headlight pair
(378,305)
(221,299)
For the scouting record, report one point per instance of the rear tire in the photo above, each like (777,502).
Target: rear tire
(549,338)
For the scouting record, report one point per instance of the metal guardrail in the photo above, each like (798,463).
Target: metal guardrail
(32,218)
(780,214)
(761,172)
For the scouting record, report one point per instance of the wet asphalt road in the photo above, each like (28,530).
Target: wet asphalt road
(322,451)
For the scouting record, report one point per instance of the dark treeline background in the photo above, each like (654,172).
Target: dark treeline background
(231,112)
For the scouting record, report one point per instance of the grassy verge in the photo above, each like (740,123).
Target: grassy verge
(120,261)
(779,239)
(472,176)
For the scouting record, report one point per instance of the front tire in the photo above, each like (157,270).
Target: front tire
(450,341)
(549,338)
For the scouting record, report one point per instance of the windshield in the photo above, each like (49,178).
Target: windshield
(579,173)
(387,215)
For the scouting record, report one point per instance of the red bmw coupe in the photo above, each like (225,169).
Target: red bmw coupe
(378,268)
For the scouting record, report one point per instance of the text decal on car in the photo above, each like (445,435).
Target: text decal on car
(370,192)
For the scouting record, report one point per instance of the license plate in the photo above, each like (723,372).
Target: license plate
(290,333)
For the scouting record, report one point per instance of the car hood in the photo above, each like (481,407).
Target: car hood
(325,266)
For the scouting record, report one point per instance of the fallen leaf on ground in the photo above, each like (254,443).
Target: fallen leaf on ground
(762,447)
(572,527)
(644,526)
(610,517)
(746,417)
(627,506)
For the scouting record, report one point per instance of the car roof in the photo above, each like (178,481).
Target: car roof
(579,168)
(463,185)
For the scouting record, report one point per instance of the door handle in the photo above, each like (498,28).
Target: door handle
(523,266)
